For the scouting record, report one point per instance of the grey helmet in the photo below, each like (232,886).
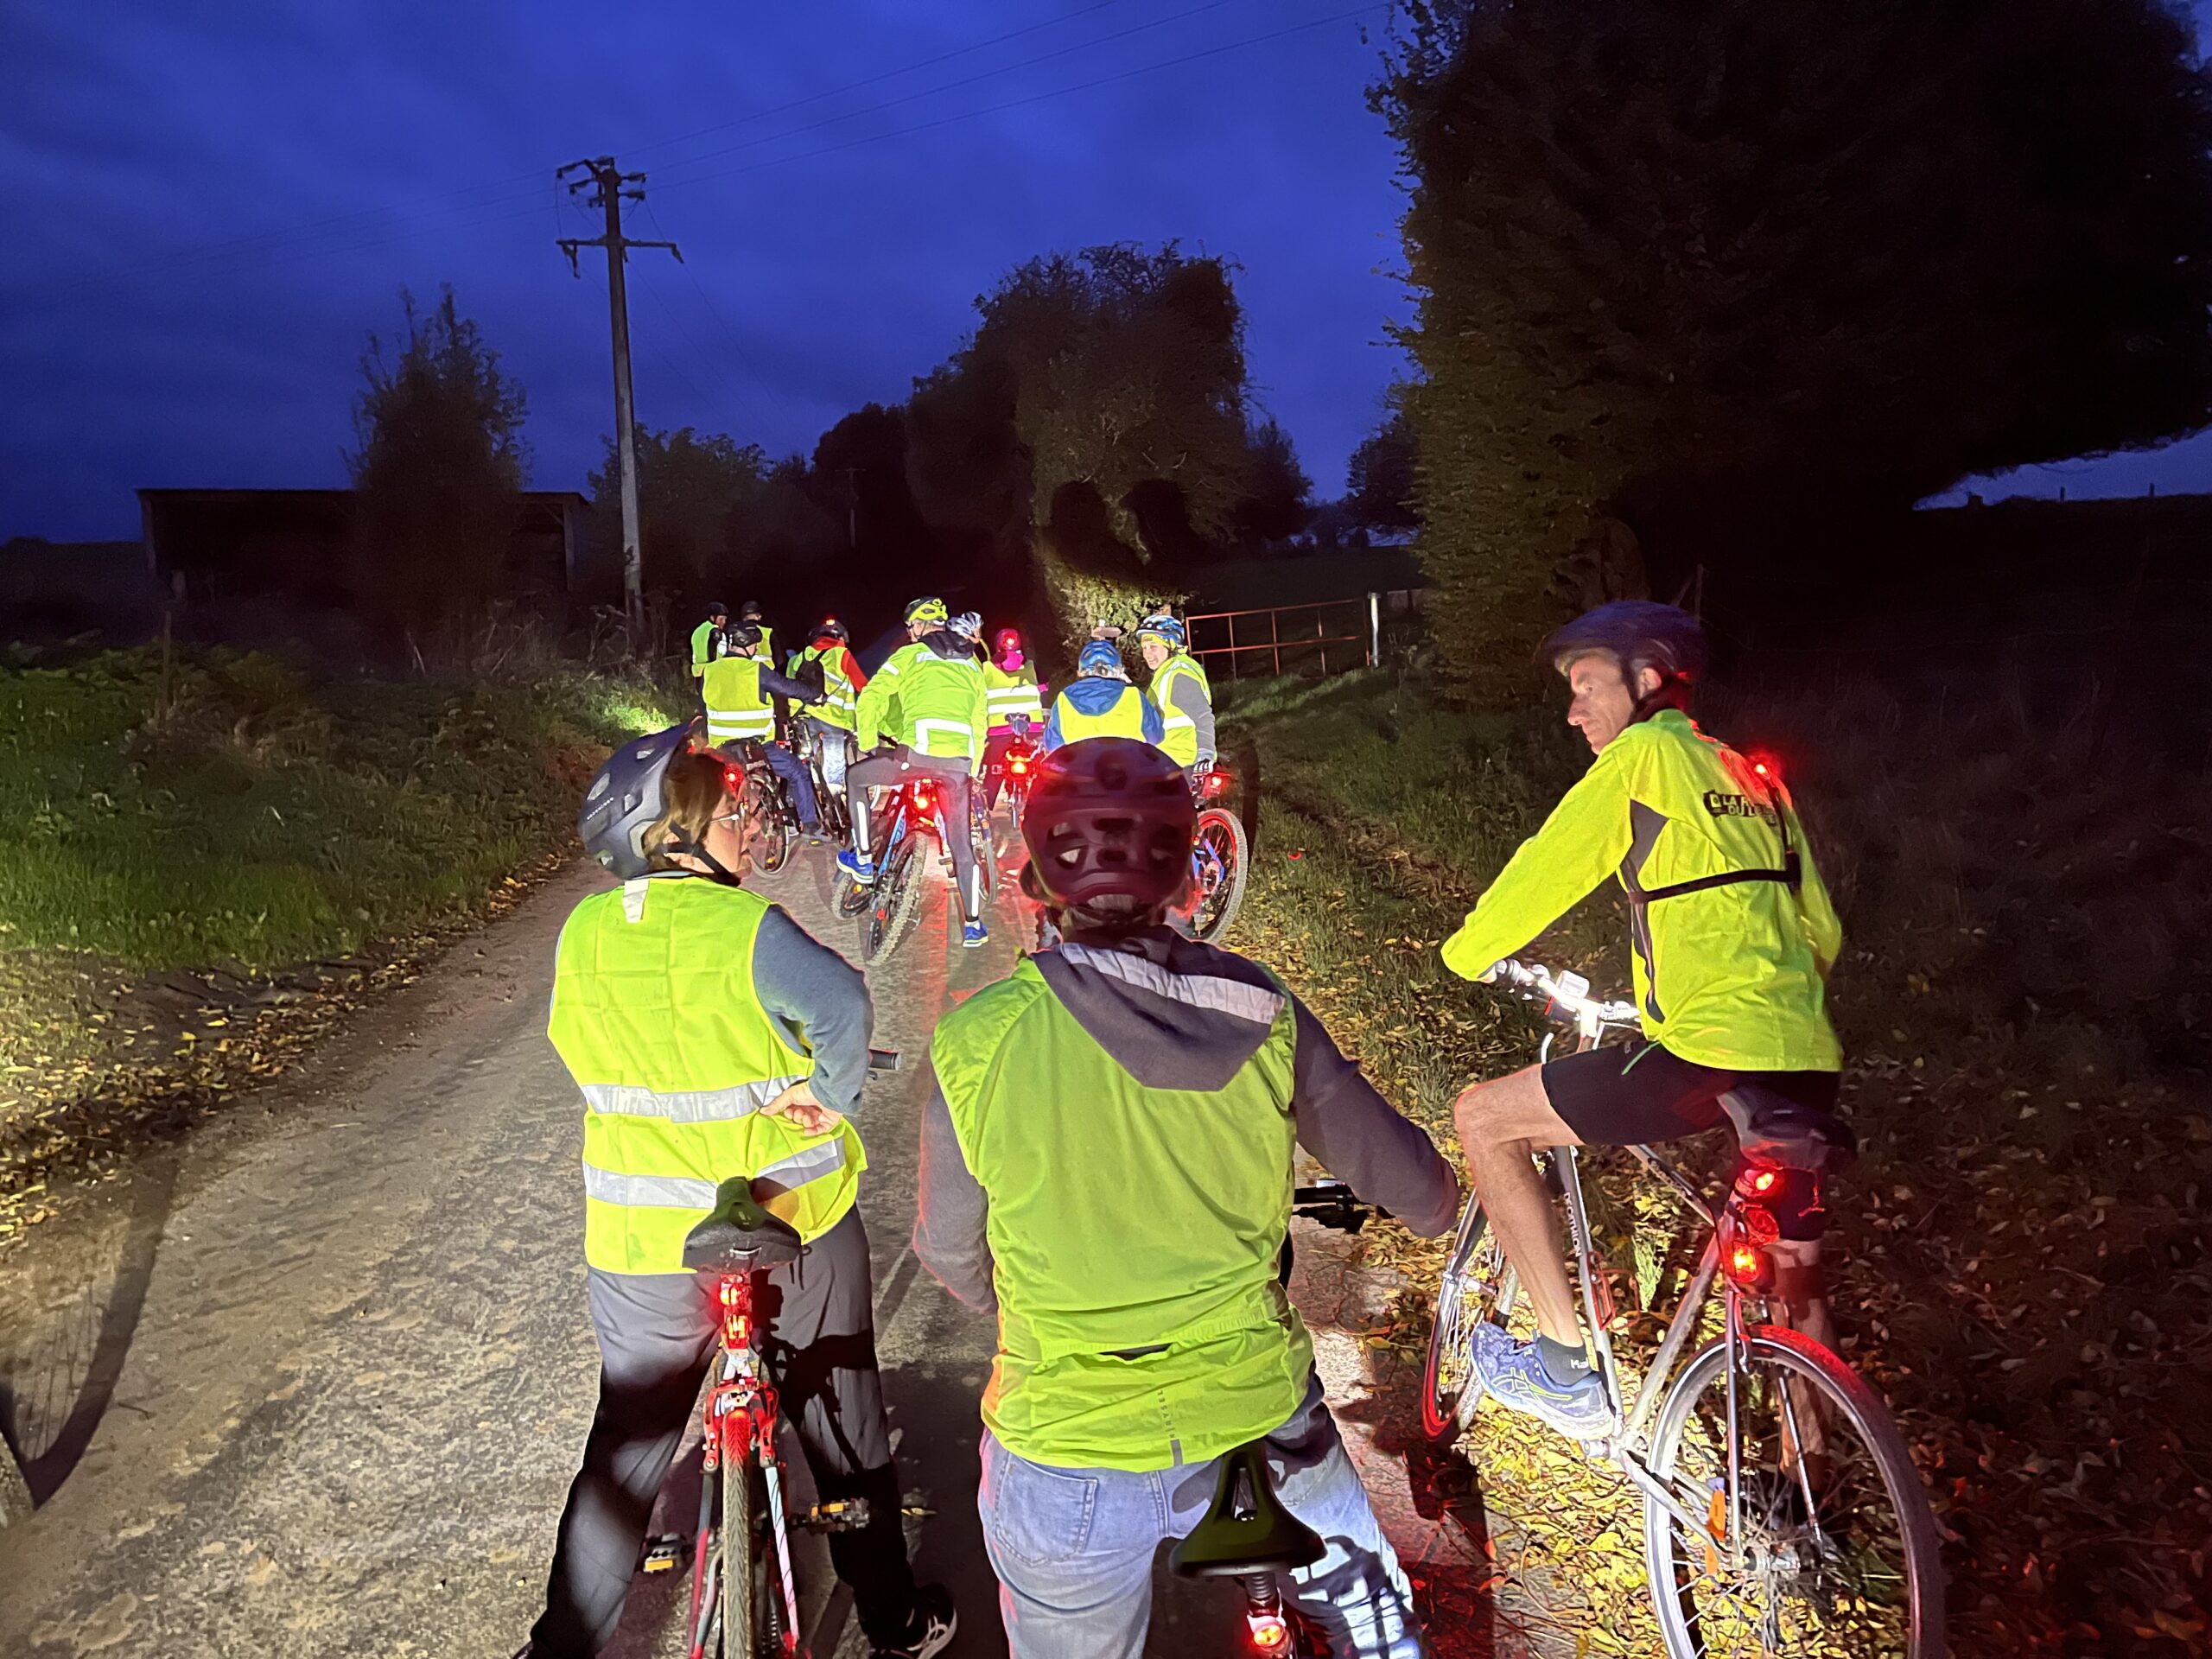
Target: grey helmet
(627,796)
(969,624)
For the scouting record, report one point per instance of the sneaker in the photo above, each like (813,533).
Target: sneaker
(1514,1375)
(973,934)
(935,1625)
(862,870)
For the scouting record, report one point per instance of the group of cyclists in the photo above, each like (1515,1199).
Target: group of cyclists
(1106,1154)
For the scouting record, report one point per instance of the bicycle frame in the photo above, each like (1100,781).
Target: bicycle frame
(740,1426)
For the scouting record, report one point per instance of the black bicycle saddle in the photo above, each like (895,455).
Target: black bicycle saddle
(1247,1529)
(737,1236)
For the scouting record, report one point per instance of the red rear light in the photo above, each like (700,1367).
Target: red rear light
(1762,1182)
(1745,1265)
(1270,1632)
(1217,783)
(1017,763)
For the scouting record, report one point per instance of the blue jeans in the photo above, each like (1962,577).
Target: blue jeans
(785,765)
(1073,1547)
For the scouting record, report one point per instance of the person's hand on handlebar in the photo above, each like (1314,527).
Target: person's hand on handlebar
(798,1107)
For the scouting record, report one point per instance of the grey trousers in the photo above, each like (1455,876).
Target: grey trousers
(655,1335)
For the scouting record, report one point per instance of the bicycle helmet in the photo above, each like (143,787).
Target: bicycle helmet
(1638,633)
(1164,628)
(831,628)
(626,798)
(744,636)
(1101,657)
(1109,817)
(931,609)
(969,626)
(750,611)
(716,608)
(1004,638)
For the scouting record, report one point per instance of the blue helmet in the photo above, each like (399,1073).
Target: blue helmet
(1638,633)
(1164,628)
(1101,657)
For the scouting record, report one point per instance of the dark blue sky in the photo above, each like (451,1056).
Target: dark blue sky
(209,216)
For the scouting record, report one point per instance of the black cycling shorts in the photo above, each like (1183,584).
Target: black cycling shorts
(1643,1095)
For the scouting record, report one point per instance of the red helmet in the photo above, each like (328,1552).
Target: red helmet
(1109,817)
(1006,636)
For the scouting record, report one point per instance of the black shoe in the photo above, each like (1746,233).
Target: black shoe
(935,1623)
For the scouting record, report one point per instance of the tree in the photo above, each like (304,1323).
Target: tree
(1379,482)
(439,468)
(1277,503)
(1725,268)
(694,492)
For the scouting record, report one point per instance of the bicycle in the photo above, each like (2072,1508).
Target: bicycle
(889,904)
(1760,1527)
(770,815)
(810,746)
(1219,858)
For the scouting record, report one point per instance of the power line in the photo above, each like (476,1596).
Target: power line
(737,344)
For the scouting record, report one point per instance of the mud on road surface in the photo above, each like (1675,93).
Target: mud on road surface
(314,1379)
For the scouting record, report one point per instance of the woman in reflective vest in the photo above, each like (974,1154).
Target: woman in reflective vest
(1180,691)
(712,1037)
(1017,706)
(1101,702)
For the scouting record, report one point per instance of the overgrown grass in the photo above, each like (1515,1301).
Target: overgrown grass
(256,816)
(2024,896)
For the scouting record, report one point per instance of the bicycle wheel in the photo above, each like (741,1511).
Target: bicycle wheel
(847,899)
(1839,1554)
(775,831)
(1219,857)
(740,1595)
(894,898)
(1479,1284)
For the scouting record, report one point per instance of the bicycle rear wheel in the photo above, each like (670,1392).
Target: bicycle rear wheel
(1219,856)
(1479,1284)
(741,1609)
(1838,1555)
(775,829)
(894,898)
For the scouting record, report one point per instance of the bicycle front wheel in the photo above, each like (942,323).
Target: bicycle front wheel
(741,1597)
(1836,1554)
(1479,1284)
(1218,858)
(893,902)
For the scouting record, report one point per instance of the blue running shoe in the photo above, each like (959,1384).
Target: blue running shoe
(1514,1374)
(860,869)
(973,934)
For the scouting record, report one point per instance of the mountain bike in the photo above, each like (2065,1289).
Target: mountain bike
(1219,856)
(916,809)
(810,742)
(770,818)
(1014,771)
(1781,1511)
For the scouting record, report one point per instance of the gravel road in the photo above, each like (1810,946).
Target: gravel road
(315,1382)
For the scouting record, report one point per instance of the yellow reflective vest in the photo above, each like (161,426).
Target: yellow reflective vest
(1124,717)
(1733,933)
(702,648)
(934,705)
(842,702)
(1134,1232)
(655,1015)
(736,705)
(1012,692)
(1181,737)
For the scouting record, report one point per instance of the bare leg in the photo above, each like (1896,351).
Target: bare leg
(1503,1125)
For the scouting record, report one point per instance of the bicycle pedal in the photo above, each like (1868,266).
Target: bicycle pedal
(665,1552)
(846,1515)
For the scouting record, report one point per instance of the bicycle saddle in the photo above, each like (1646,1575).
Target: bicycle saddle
(737,1236)
(1247,1529)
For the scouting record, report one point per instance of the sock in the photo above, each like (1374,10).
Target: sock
(1564,1365)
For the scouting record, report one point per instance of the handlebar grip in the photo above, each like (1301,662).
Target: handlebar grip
(880,1060)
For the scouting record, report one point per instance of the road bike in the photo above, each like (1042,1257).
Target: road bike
(1219,857)
(1783,1514)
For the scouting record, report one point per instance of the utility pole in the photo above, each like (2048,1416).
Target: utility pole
(610,186)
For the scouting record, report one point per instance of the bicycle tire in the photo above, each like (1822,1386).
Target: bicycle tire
(893,901)
(777,834)
(739,1596)
(1450,1391)
(1217,910)
(849,899)
(1846,1394)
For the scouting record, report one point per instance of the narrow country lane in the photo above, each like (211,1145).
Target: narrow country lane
(316,1382)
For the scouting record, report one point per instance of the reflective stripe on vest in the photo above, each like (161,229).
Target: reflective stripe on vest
(1013,692)
(1171,1341)
(958,737)
(1124,717)
(1180,735)
(673,1102)
(736,707)
(837,687)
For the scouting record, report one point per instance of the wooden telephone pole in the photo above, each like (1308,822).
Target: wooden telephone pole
(610,186)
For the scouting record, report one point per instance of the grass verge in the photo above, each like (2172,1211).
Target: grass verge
(2027,1276)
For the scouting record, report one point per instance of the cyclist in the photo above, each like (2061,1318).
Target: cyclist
(928,703)
(749,615)
(1106,1165)
(1733,937)
(707,638)
(711,1036)
(1101,702)
(1180,691)
(829,658)
(736,689)
(1017,705)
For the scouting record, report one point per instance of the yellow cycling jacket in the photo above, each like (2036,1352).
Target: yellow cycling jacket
(1733,931)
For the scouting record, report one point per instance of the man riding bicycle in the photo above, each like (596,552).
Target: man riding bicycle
(1106,1165)
(1017,706)
(1733,937)
(712,1037)
(829,658)
(707,638)
(1101,702)
(928,703)
(737,690)
(1180,691)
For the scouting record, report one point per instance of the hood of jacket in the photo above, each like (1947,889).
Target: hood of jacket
(1094,695)
(1172,1013)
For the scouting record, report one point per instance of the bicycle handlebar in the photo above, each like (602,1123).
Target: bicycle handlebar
(1566,996)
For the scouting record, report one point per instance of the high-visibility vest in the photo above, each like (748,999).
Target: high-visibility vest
(1124,717)
(702,647)
(1011,692)
(1127,1221)
(736,705)
(655,1015)
(1180,738)
(934,705)
(842,698)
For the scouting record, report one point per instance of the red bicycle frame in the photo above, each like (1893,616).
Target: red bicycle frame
(741,1424)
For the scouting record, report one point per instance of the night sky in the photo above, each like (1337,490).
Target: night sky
(209,216)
